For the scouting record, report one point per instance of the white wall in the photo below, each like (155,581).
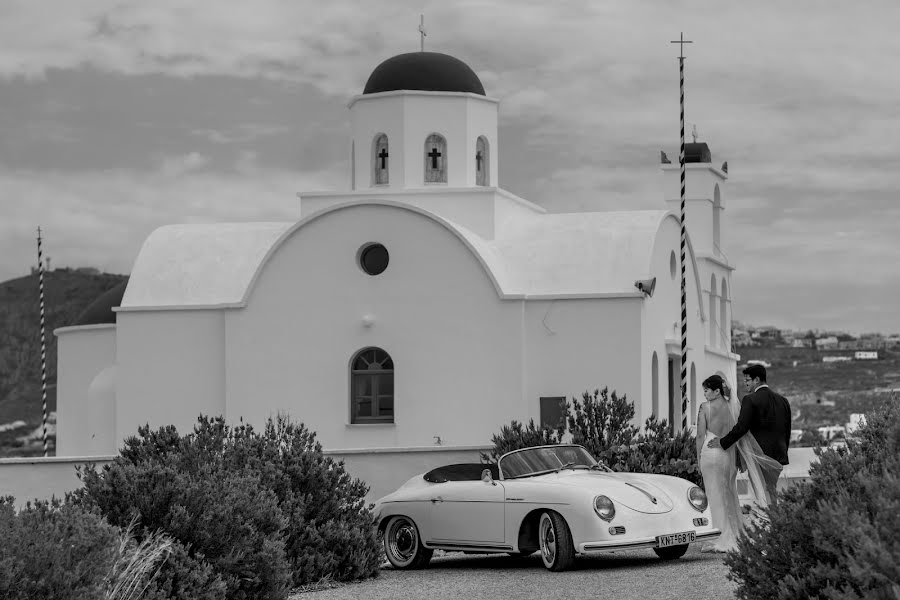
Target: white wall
(82,353)
(29,479)
(581,345)
(171,368)
(456,346)
(662,324)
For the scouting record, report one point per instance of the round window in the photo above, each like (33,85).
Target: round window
(373,259)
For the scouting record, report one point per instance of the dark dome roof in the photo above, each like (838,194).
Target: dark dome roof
(429,71)
(100,310)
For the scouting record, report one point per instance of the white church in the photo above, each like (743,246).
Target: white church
(409,317)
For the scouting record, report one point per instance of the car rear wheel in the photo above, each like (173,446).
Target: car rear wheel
(671,552)
(403,546)
(557,550)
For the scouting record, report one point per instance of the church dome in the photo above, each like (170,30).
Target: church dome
(100,310)
(428,71)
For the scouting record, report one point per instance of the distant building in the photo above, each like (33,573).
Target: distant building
(802,343)
(831,359)
(759,362)
(827,343)
(865,355)
(857,420)
(830,431)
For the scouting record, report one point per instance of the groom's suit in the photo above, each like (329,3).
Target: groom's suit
(766,415)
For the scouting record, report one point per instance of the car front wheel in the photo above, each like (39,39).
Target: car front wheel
(557,550)
(403,546)
(671,552)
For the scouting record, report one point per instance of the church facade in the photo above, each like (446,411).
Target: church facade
(408,318)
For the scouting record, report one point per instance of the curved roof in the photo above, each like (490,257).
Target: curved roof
(538,255)
(101,309)
(428,71)
(199,265)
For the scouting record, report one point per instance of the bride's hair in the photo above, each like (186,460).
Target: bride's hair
(716,382)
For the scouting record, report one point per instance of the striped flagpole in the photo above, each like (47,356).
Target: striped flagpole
(43,342)
(684,399)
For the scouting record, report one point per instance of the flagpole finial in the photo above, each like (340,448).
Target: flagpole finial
(422,33)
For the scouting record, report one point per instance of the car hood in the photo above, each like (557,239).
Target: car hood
(630,490)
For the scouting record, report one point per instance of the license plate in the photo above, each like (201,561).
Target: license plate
(675,539)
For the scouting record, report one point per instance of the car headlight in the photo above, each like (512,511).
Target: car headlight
(697,498)
(604,508)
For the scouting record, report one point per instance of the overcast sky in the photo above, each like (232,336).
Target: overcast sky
(119,117)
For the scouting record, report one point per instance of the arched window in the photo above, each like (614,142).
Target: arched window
(482,162)
(654,386)
(725,326)
(717,215)
(435,159)
(713,324)
(372,387)
(693,394)
(380,162)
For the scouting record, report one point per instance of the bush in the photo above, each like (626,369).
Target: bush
(54,551)
(837,536)
(263,511)
(601,422)
(60,551)
(514,437)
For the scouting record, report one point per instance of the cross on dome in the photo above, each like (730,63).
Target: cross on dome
(422,32)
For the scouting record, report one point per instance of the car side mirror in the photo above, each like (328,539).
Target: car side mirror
(487,477)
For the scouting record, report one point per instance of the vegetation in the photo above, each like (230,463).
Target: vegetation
(59,551)
(254,513)
(836,536)
(66,294)
(601,422)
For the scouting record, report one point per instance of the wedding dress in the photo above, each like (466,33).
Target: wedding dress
(719,478)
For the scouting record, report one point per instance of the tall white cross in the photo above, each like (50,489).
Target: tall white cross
(422,32)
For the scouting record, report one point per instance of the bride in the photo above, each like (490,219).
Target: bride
(719,467)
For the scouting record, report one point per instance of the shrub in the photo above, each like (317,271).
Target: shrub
(837,536)
(263,510)
(55,551)
(514,436)
(601,422)
(60,551)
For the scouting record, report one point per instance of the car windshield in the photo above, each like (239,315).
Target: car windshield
(546,459)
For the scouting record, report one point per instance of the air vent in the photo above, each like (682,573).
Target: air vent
(617,530)
(701,521)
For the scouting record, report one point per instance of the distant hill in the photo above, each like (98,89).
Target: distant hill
(67,292)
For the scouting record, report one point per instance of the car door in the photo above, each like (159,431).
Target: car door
(468,511)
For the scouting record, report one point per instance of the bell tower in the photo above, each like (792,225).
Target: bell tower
(423,121)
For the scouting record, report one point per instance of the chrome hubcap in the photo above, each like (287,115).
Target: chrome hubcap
(548,540)
(403,540)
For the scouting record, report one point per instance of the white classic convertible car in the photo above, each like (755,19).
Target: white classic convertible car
(556,499)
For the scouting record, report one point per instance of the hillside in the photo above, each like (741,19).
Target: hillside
(827,393)
(66,294)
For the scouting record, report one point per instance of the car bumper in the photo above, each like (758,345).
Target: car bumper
(617,545)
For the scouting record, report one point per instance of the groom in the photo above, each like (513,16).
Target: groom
(767,416)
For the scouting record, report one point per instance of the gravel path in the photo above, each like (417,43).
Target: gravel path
(625,575)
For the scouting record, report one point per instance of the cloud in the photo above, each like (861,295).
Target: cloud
(101,218)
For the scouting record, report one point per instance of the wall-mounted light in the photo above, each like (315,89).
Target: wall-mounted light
(646,285)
